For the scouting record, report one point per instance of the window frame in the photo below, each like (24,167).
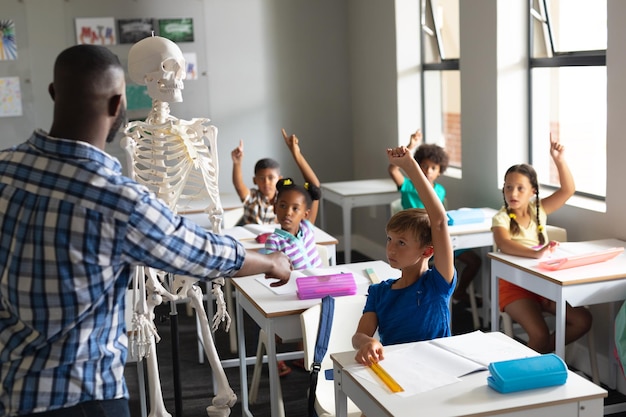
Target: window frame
(444,64)
(583,58)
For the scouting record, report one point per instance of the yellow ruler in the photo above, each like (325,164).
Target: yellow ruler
(372,275)
(386,378)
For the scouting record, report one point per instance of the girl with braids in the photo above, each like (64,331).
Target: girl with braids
(519,229)
(296,236)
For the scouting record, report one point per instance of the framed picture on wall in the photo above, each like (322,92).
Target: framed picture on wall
(177,30)
(191,61)
(8,47)
(95,31)
(134,30)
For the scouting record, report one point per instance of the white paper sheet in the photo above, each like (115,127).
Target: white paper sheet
(482,348)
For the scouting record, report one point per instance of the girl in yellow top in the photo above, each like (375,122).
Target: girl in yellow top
(519,229)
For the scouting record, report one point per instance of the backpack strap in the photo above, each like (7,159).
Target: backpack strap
(321,346)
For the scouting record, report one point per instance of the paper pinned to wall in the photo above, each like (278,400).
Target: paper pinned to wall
(10,97)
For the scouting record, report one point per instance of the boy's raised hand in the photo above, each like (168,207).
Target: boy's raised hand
(400,156)
(415,140)
(556,149)
(291,142)
(237,153)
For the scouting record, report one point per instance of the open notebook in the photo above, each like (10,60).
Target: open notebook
(421,367)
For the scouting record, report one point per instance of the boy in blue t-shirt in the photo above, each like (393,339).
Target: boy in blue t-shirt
(413,307)
(433,160)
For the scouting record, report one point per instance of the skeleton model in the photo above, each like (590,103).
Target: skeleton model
(175,159)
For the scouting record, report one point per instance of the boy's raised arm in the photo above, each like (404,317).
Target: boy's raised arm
(444,256)
(306,170)
(240,186)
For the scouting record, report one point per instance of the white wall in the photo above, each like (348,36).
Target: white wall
(263,65)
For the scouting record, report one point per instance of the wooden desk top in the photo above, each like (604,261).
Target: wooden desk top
(612,269)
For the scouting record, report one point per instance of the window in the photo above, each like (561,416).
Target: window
(441,79)
(567,65)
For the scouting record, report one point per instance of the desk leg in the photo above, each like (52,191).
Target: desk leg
(332,254)
(341,399)
(560,327)
(495,309)
(276,397)
(346,214)
(321,214)
(243,371)
(484,283)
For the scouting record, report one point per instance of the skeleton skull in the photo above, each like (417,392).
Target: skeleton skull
(158,63)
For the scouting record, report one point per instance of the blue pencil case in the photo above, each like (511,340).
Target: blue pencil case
(465,216)
(527,373)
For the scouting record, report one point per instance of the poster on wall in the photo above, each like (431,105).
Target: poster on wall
(8,47)
(95,31)
(177,30)
(137,97)
(10,97)
(134,30)
(191,62)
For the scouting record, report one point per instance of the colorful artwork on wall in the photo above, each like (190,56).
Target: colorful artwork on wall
(191,61)
(177,30)
(10,97)
(96,31)
(8,47)
(134,30)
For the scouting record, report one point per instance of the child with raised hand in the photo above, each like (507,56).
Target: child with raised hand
(433,161)
(258,203)
(519,229)
(413,307)
(296,236)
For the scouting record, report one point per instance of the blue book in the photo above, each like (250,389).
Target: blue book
(527,373)
(465,216)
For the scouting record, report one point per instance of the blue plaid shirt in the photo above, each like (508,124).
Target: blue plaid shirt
(71,228)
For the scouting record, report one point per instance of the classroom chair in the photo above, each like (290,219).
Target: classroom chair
(559,234)
(348,311)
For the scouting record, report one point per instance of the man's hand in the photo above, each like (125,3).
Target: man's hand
(280,269)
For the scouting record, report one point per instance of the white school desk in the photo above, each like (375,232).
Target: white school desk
(602,282)
(469,397)
(194,209)
(321,238)
(474,236)
(350,194)
(280,315)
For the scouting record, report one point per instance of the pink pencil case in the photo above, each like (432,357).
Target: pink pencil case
(319,286)
(581,260)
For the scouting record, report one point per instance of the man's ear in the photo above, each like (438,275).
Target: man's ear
(115,105)
(51,90)
(428,252)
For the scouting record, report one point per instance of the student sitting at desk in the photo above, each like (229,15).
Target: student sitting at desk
(258,203)
(518,229)
(296,237)
(413,307)
(295,208)
(433,161)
